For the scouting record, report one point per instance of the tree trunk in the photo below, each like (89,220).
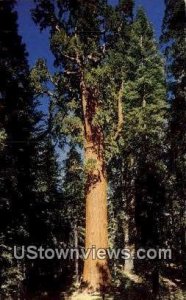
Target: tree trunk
(129,222)
(129,263)
(76,247)
(96,273)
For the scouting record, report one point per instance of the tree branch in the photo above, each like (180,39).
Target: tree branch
(71,72)
(69,57)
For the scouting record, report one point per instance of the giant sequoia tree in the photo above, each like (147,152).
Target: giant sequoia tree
(75,42)
(88,100)
(108,112)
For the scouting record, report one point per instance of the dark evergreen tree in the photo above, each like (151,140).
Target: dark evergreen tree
(46,214)
(138,170)
(73,207)
(145,100)
(17,120)
(173,40)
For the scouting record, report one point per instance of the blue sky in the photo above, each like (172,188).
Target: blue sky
(37,43)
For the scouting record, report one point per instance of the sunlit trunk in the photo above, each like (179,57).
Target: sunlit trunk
(96,272)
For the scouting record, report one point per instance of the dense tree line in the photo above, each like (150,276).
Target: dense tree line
(105,167)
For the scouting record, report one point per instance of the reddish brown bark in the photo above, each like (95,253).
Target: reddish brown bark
(96,272)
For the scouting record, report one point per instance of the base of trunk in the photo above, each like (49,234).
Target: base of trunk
(96,277)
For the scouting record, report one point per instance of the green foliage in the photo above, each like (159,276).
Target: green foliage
(39,77)
(145,95)
(18,117)
(89,165)
(138,163)
(73,209)
(173,42)
(85,41)
(73,125)
(12,275)
(73,186)
(2,138)
(117,58)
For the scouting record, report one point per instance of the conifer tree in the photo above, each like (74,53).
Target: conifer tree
(46,212)
(73,207)
(81,34)
(173,42)
(141,145)
(145,135)
(17,120)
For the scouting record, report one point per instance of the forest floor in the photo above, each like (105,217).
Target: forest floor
(132,287)
(127,286)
